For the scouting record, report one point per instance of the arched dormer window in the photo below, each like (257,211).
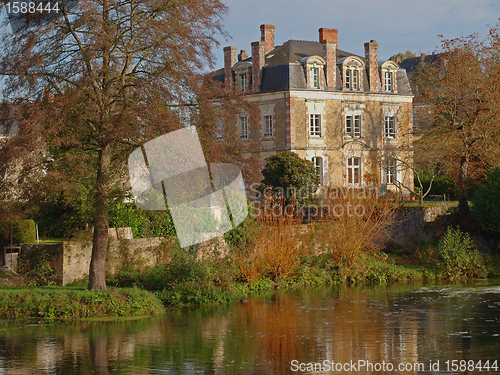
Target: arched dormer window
(314,67)
(388,76)
(242,74)
(352,68)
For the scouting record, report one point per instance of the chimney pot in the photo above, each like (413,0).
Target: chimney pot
(242,55)
(329,35)
(267,36)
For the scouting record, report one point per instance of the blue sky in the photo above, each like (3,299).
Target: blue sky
(396,25)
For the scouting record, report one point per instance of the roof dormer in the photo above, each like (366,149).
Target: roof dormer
(388,76)
(352,69)
(314,67)
(242,75)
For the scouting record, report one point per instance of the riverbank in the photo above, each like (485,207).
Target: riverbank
(71,303)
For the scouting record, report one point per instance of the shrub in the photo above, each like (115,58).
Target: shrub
(144,223)
(486,202)
(288,170)
(354,223)
(24,232)
(459,256)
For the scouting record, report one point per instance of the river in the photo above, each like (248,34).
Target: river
(396,329)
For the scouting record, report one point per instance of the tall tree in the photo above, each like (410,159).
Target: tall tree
(100,79)
(461,89)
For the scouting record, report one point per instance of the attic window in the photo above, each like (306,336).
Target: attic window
(313,69)
(352,78)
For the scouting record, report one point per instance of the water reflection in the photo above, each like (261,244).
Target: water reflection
(396,325)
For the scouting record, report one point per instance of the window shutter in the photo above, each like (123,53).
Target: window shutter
(399,172)
(326,181)
(383,177)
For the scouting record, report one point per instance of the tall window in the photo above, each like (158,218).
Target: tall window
(244,127)
(268,126)
(352,79)
(390,127)
(315,125)
(315,78)
(353,125)
(390,171)
(353,171)
(318,164)
(388,81)
(242,82)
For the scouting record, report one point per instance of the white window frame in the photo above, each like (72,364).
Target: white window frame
(354,130)
(391,171)
(352,78)
(314,77)
(389,81)
(318,164)
(243,122)
(242,81)
(390,126)
(354,171)
(268,126)
(315,125)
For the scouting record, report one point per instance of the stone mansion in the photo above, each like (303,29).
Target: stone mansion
(350,115)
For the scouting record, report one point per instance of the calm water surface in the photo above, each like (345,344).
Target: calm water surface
(280,333)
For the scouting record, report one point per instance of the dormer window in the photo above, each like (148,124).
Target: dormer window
(315,78)
(242,75)
(388,77)
(313,69)
(352,68)
(352,79)
(242,82)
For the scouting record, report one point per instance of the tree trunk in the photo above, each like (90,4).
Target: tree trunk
(463,204)
(421,198)
(97,272)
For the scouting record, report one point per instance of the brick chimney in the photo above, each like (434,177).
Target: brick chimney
(258,60)
(328,38)
(229,61)
(242,55)
(267,36)
(371,56)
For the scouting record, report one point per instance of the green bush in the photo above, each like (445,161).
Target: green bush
(486,202)
(458,255)
(288,170)
(24,232)
(144,223)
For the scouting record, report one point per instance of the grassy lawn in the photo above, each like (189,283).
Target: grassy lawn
(74,302)
(416,203)
(52,240)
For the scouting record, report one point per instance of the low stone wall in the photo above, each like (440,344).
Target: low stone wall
(410,223)
(71,260)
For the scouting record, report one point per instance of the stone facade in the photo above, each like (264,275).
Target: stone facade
(350,115)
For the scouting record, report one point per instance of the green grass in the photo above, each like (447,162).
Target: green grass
(416,203)
(52,240)
(71,303)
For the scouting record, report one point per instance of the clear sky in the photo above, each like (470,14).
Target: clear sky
(396,25)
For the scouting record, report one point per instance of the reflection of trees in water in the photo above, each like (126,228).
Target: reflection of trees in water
(265,335)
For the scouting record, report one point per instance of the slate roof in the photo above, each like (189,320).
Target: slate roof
(412,64)
(282,70)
